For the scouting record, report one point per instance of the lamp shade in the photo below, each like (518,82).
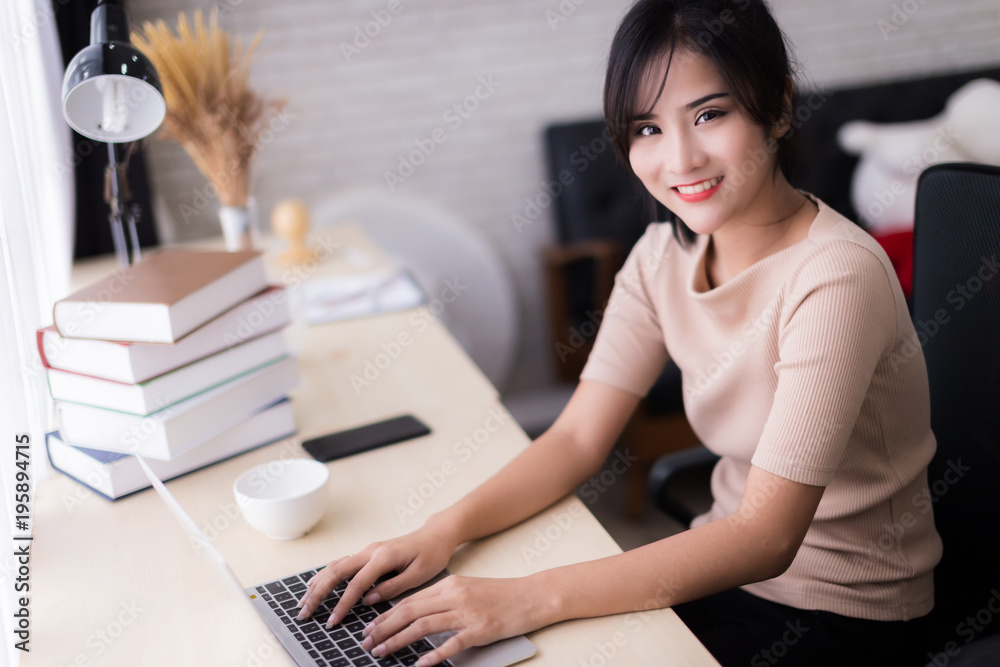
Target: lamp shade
(111,91)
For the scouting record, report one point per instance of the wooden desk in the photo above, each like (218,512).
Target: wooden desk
(119,584)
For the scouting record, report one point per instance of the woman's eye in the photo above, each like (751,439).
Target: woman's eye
(646,130)
(716,112)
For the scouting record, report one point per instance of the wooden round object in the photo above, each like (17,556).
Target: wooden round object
(290,220)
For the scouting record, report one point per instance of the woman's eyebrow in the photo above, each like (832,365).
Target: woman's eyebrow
(688,107)
(702,100)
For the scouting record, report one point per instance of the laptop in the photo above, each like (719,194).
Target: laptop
(308,642)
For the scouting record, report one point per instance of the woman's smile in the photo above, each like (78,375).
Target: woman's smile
(699,191)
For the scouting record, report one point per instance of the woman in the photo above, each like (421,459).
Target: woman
(793,339)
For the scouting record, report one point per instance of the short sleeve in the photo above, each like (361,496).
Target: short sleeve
(629,352)
(838,321)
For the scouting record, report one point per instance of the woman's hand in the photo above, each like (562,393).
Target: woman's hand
(415,557)
(479,610)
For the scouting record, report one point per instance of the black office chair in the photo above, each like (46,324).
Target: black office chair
(956,306)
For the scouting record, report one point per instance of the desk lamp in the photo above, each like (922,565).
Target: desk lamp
(112,93)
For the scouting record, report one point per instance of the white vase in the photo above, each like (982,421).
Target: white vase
(239,226)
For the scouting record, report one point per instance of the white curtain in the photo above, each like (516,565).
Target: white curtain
(36,242)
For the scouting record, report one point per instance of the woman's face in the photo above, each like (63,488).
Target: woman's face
(695,134)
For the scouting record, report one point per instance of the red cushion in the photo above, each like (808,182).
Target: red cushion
(899,246)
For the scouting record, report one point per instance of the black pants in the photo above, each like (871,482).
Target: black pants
(740,629)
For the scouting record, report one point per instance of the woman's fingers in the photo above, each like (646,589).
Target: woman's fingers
(361,582)
(320,586)
(454,645)
(410,577)
(399,617)
(428,623)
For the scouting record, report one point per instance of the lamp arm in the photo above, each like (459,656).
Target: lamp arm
(109,23)
(117,194)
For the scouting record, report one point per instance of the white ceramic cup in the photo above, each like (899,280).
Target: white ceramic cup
(283,499)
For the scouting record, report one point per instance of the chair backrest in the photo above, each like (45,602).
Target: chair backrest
(956,310)
(599,200)
(439,249)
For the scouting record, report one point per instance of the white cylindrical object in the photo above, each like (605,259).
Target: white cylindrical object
(239,226)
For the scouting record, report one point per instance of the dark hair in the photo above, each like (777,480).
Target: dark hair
(739,36)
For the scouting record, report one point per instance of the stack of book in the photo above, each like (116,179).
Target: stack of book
(180,359)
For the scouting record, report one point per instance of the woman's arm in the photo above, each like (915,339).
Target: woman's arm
(756,542)
(569,452)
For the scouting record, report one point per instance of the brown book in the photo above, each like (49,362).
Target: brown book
(161,299)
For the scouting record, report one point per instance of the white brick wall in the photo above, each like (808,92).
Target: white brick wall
(353,119)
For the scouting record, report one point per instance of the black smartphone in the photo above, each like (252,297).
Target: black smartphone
(361,439)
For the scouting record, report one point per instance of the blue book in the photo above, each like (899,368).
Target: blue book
(115,475)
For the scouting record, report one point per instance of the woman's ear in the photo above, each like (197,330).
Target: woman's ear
(783,124)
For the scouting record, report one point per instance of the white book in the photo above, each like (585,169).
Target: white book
(169,294)
(172,387)
(345,297)
(133,363)
(168,432)
(114,475)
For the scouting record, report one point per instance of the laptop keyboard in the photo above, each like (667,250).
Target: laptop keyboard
(339,646)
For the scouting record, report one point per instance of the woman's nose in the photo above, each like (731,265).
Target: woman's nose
(682,155)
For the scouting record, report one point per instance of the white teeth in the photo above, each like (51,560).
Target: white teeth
(700,187)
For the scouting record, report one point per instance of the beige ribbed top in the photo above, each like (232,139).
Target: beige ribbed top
(806,365)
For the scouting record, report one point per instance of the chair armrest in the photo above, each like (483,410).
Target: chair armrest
(556,259)
(606,255)
(562,254)
(665,469)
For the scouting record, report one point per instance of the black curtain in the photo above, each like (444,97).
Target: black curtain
(89,158)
